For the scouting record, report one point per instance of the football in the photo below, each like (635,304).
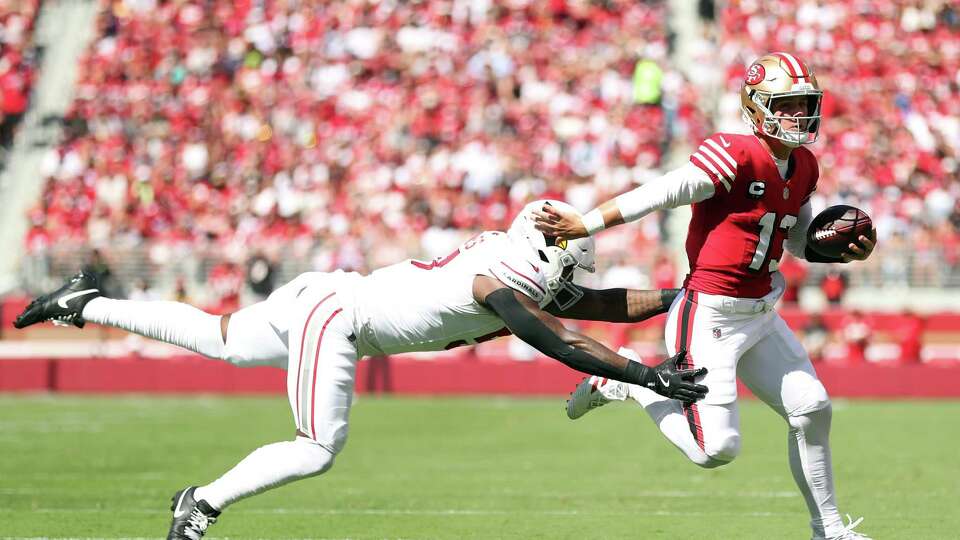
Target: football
(832,230)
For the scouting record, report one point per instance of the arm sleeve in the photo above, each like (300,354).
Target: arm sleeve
(685,185)
(528,327)
(797,239)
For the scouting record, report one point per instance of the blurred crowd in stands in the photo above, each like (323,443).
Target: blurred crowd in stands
(353,134)
(890,142)
(17,65)
(266,138)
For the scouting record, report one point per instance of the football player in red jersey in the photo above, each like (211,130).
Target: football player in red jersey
(750,196)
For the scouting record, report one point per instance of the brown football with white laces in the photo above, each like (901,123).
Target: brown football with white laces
(833,230)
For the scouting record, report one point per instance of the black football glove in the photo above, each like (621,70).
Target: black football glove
(671,380)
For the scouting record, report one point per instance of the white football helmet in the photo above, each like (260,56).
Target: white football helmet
(559,256)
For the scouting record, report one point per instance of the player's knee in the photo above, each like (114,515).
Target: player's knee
(315,458)
(817,418)
(806,398)
(727,450)
(721,451)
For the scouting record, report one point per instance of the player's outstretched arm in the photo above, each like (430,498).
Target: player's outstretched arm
(617,305)
(684,185)
(547,334)
(555,222)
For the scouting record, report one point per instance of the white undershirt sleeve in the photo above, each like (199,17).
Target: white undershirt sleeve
(685,185)
(797,237)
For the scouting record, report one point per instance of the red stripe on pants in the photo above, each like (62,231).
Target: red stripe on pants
(316,361)
(303,338)
(684,339)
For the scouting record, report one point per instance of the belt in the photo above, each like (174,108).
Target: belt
(729,304)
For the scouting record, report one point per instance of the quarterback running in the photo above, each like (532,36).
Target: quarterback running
(750,196)
(320,324)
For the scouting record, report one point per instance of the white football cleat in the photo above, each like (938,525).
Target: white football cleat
(593,392)
(847,533)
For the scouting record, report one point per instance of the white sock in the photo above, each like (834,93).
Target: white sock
(644,396)
(265,468)
(808,447)
(171,322)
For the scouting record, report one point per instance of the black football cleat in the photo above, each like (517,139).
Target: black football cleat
(190,516)
(63,306)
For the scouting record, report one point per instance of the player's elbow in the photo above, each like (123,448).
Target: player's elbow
(555,346)
(571,339)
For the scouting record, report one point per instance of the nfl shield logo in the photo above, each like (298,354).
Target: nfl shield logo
(716,333)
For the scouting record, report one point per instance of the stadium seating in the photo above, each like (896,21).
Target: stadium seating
(17,56)
(346,135)
(354,135)
(891,137)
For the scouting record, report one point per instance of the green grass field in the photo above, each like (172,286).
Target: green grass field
(463,468)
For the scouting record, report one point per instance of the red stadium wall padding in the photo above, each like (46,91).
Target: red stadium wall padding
(178,375)
(26,375)
(464,375)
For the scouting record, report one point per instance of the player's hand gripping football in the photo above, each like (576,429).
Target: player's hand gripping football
(553,222)
(858,253)
(672,380)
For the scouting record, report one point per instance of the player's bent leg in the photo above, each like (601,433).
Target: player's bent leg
(321,371)
(265,468)
(779,372)
(268,467)
(707,432)
(712,442)
(322,367)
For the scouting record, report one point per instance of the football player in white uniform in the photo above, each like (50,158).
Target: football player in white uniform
(320,324)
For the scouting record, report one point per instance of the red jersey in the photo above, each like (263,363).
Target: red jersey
(736,237)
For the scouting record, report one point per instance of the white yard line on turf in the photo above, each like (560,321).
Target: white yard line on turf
(434,512)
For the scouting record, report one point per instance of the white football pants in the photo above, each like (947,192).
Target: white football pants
(305,326)
(746,338)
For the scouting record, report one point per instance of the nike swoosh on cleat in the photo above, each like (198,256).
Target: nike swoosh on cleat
(62,302)
(664,382)
(177,512)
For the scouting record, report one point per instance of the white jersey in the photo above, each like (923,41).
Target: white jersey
(429,306)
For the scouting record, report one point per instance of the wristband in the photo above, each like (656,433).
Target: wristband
(593,221)
(636,373)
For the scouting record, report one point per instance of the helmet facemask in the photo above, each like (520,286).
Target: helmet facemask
(562,260)
(806,128)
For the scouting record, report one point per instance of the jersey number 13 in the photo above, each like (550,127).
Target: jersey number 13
(767,228)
